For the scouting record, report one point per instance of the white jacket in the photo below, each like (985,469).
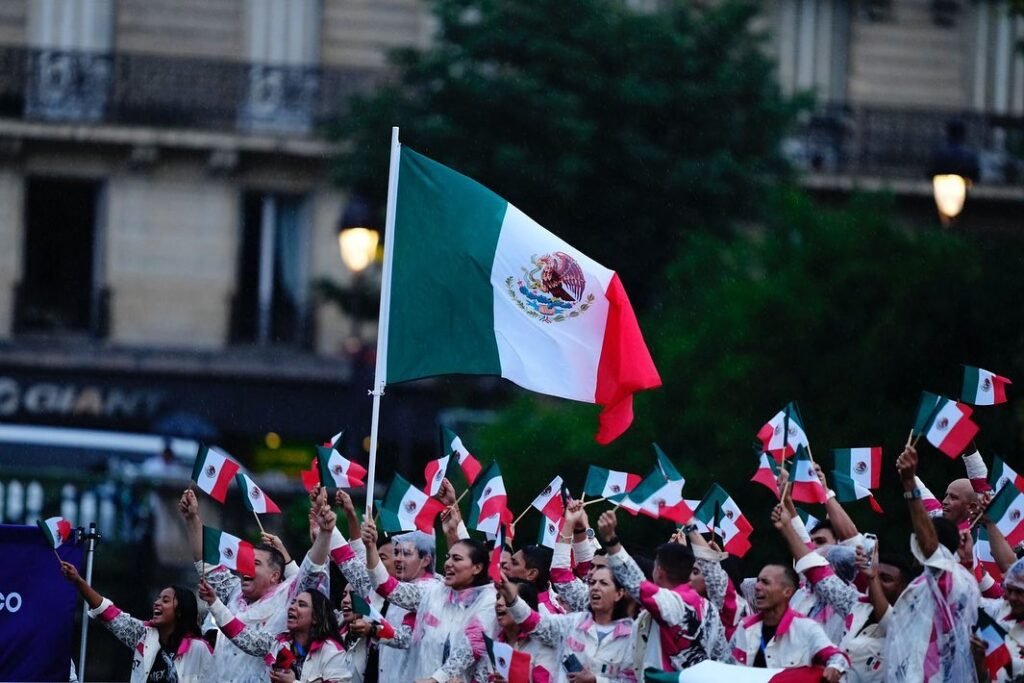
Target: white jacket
(446,640)
(798,641)
(269,613)
(191,662)
(610,659)
(999,611)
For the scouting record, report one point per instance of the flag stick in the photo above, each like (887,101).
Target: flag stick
(910,437)
(463,495)
(258,522)
(583,498)
(57,556)
(596,500)
(715,521)
(522,515)
(973,521)
(380,370)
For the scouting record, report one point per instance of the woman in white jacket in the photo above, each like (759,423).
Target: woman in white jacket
(168,647)
(598,643)
(308,651)
(451,617)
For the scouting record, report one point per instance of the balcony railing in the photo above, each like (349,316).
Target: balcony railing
(152,90)
(873,141)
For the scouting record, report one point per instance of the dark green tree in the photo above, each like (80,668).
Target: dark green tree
(619,131)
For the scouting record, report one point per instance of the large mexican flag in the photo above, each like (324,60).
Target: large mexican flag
(477,287)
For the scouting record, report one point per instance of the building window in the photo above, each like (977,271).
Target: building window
(283,41)
(272,293)
(70,62)
(61,289)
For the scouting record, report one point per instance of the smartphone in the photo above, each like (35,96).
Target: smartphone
(870,541)
(571,664)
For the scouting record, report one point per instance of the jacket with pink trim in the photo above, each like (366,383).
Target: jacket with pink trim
(798,641)
(191,661)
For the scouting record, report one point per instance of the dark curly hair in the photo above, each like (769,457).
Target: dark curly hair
(325,624)
(186,617)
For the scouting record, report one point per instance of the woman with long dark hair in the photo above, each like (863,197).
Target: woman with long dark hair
(592,645)
(451,616)
(308,651)
(168,647)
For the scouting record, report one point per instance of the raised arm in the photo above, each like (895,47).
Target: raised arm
(188,506)
(406,595)
(246,637)
(124,626)
(869,567)
(826,585)
(842,525)
(549,629)
(924,530)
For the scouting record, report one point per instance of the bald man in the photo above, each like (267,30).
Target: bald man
(961,501)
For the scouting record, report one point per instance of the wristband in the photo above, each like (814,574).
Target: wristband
(913,494)
(829,495)
(689,528)
(614,540)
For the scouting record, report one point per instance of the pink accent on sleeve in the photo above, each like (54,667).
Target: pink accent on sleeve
(541,675)
(475,636)
(561,575)
(822,656)
(110,613)
(530,623)
(342,554)
(817,574)
(993,591)
(409,620)
(647,593)
(583,568)
(739,655)
(388,587)
(233,628)
(980,485)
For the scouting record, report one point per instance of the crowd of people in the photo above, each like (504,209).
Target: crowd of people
(833,609)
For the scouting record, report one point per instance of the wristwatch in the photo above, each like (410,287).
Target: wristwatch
(689,528)
(914,493)
(590,533)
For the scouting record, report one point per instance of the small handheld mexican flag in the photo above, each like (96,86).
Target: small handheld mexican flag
(488,507)
(254,497)
(549,501)
(784,433)
(669,498)
(848,490)
(511,664)
(406,508)
(719,513)
(337,470)
(1002,474)
(643,499)
(997,654)
(609,484)
(372,614)
(863,465)
(213,471)
(946,424)
(1007,511)
(451,444)
(983,554)
(806,487)
(434,474)
(767,473)
(547,534)
(500,539)
(57,530)
(220,547)
(983,388)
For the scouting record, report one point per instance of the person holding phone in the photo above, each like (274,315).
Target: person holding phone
(595,646)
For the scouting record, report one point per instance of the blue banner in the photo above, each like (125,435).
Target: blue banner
(37,606)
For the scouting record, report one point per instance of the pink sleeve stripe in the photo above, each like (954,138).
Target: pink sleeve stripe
(817,574)
(110,613)
(388,587)
(980,485)
(342,554)
(529,624)
(233,628)
(826,653)
(583,568)
(541,675)
(561,575)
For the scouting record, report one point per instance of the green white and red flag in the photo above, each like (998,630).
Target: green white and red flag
(213,471)
(983,388)
(767,473)
(406,508)
(849,489)
(434,474)
(57,530)
(863,465)
(609,484)
(1002,474)
(719,513)
(983,554)
(220,547)
(547,534)
(669,498)
(488,506)
(372,614)
(452,445)
(501,295)
(1007,511)
(643,498)
(806,487)
(997,654)
(511,664)
(338,471)
(334,440)
(500,539)
(550,501)
(253,496)
(784,433)
(809,520)
(945,423)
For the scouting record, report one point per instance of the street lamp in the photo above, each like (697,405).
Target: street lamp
(357,243)
(950,191)
(953,167)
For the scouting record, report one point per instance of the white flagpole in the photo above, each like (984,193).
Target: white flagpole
(381,371)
